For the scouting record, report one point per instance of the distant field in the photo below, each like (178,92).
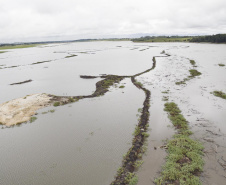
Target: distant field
(164,39)
(17,46)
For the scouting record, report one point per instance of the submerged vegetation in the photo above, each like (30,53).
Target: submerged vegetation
(41,62)
(219,94)
(32,119)
(184,161)
(221,65)
(193,73)
(71,56)
(192,62)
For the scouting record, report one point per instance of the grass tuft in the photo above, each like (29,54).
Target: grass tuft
(56,104)
(32,119)
(219,94)
(221,65)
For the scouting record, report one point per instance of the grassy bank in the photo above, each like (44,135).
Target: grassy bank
(17,46)
(184,161)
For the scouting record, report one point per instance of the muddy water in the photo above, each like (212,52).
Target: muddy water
(80,143)
(83,143)
(60,76)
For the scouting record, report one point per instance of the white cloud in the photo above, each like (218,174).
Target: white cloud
(73,19)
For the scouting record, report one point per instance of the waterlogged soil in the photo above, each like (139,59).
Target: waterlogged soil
(83,142)
(204,111)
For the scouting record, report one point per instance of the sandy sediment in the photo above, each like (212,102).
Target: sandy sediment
(20,110)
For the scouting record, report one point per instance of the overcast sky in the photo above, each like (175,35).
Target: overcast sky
(37,20)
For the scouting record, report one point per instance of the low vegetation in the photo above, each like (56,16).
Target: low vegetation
(70,56)
(192,62)
(184,161)
(193,73)
(32,119)
(14,46)
(221,65)
(56,104)
(41,62)
(219,94)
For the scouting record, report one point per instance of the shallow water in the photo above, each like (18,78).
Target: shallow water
(205,112)
(83,143)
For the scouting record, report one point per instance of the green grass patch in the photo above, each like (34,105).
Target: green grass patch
(17,46)
(131,179)
(56,104)
(219,94)
(139,84)
(32,119)
(2,51)
(192,62)
(122,86)
(41,62)
(70,56)
(221,65)
(194,72)
(184,161)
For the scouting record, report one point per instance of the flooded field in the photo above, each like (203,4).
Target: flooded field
(84,142)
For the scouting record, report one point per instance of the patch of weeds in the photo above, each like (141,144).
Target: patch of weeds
(40,62)
(145,134)
(139,84)
(219,94)
(56,104)
(192,62)
(52,111)
(32,119)
(137,164)
(136,131)
(221,65)
(122,86)
(194,72)
(131,179)
(44,112)
(140,110)
(71,56)
(72,99)
(184,160)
